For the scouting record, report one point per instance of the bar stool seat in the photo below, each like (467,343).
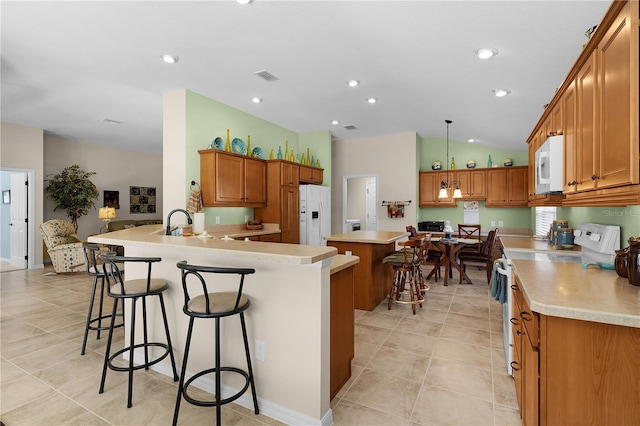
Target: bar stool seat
(92,263)
(214,305)
(136,289)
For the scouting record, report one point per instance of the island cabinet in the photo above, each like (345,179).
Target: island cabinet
(507,187)
(283,200)
(312,175)
(232,180)
(429,187)
(472,184)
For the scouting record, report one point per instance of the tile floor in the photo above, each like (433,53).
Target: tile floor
(443,366)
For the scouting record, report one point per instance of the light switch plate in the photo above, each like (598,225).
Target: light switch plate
(500,223)
(217,220)
(493,223)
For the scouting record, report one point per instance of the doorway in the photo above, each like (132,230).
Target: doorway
(17,229)
(359,202)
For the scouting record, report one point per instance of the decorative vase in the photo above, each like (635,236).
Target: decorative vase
(508,162)
(279,153)
(271,155)
(453,163)
(291,156)
(622,262)
(249,145)
(302,160)
(286,150)
(633,261)
(489,162)
(317,162)
(471,164)
(308,157)
(227,146)
(297,158)
(436,165)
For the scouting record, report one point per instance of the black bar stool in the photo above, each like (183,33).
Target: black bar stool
(91,252)
(136,289)
(214,305)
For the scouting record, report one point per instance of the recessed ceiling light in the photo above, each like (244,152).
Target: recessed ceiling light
(334,122)
(501,92)
(372,100)
(170,59)
(353,83)
(256,100)
(486,53)
(244,1)
(471,140)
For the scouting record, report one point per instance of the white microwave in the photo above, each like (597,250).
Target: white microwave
(549,167)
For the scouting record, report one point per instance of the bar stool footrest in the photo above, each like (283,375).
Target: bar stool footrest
(139,366)
(104,327)
(223,401)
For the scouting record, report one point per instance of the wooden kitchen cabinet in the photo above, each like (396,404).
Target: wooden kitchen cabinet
(472,183)
(429,187)
(283,200)
(507,187)
(311,175)
(232,180)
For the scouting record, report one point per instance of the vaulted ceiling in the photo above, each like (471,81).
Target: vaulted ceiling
(70,67)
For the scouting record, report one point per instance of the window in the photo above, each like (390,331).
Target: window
(544,218)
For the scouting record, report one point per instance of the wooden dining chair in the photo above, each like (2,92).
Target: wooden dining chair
(470,232)
(483,258)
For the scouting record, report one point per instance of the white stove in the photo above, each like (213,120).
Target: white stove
(598,241)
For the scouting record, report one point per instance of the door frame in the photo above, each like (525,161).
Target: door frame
(345,198)
(31,213)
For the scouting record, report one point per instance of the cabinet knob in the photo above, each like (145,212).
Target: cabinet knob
(515,365)
(514,321)
(525,316)
(520,333)
(595,177)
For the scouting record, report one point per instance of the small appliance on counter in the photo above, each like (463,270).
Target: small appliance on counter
(431,226)
(599,243)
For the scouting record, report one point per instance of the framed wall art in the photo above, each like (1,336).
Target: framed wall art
(142,199)
(112,199)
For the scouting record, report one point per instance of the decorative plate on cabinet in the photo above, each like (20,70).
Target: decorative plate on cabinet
(238,146)
(257,152)
(218,143)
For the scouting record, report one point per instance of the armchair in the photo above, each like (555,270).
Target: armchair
(63,245)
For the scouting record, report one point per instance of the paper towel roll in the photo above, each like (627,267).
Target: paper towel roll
(198,223)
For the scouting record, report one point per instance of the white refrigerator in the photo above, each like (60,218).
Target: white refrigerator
(315,214)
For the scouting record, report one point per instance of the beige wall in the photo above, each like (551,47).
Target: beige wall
(21,149)
(393,159)
(116,170)
(357,199)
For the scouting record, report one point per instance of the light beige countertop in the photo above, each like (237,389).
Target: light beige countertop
(566,290)
(532,244)
(152,236)
(368,237)
(342,261)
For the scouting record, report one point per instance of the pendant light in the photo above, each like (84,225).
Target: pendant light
(445,185)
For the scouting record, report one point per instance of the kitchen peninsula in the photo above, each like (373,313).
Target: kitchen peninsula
(372,277)
(290,313)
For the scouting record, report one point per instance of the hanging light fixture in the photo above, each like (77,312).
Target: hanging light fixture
(446,185)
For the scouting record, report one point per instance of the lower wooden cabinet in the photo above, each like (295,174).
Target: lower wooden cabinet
(342,339)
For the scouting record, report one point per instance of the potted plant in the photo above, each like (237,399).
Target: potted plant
(73,191)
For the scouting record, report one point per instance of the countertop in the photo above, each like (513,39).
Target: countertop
(368,237)
(566,290)
(342,261)
(532,244)
(153,236)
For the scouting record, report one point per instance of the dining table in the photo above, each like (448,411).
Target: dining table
(450,247)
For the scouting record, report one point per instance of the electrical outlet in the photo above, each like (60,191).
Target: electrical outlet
(246,218)
(500,223)
(217,220)
(493,223)
(260,350)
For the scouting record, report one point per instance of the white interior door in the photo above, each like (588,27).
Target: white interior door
(19,220)
(372,208)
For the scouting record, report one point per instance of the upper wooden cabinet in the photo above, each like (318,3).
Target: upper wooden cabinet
(507,187)
(472,183)
(310,174)
(598,105)
(231,180)
(429,187)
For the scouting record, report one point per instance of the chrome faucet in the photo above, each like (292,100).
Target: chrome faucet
(189,221)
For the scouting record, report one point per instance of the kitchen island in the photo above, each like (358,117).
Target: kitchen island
(290,313)
(372,277)
(577,340)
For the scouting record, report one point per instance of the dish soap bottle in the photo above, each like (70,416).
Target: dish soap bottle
(489,162)
(453,163)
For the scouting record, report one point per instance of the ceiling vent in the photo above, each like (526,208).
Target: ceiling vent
(266,75)
(350,127)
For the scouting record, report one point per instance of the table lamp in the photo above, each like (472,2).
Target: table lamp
(106,214)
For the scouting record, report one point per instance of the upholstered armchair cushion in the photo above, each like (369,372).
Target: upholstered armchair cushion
(63,245)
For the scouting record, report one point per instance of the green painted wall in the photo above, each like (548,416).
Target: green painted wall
(207,119)
(511,217)
(628,218)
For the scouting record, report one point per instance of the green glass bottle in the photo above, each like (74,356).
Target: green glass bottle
(489,163)
(453,163)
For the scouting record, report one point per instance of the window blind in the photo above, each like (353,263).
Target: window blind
(544,218)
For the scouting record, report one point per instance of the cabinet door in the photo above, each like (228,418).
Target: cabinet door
(556,117)
(290,214)
(289,174)
(570,143)
(497,187)
(306,174)
(472,183)
(587,151)
(517,188)
(429,188)
(229,179)
(618,150)
(255,182)
(317,176)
